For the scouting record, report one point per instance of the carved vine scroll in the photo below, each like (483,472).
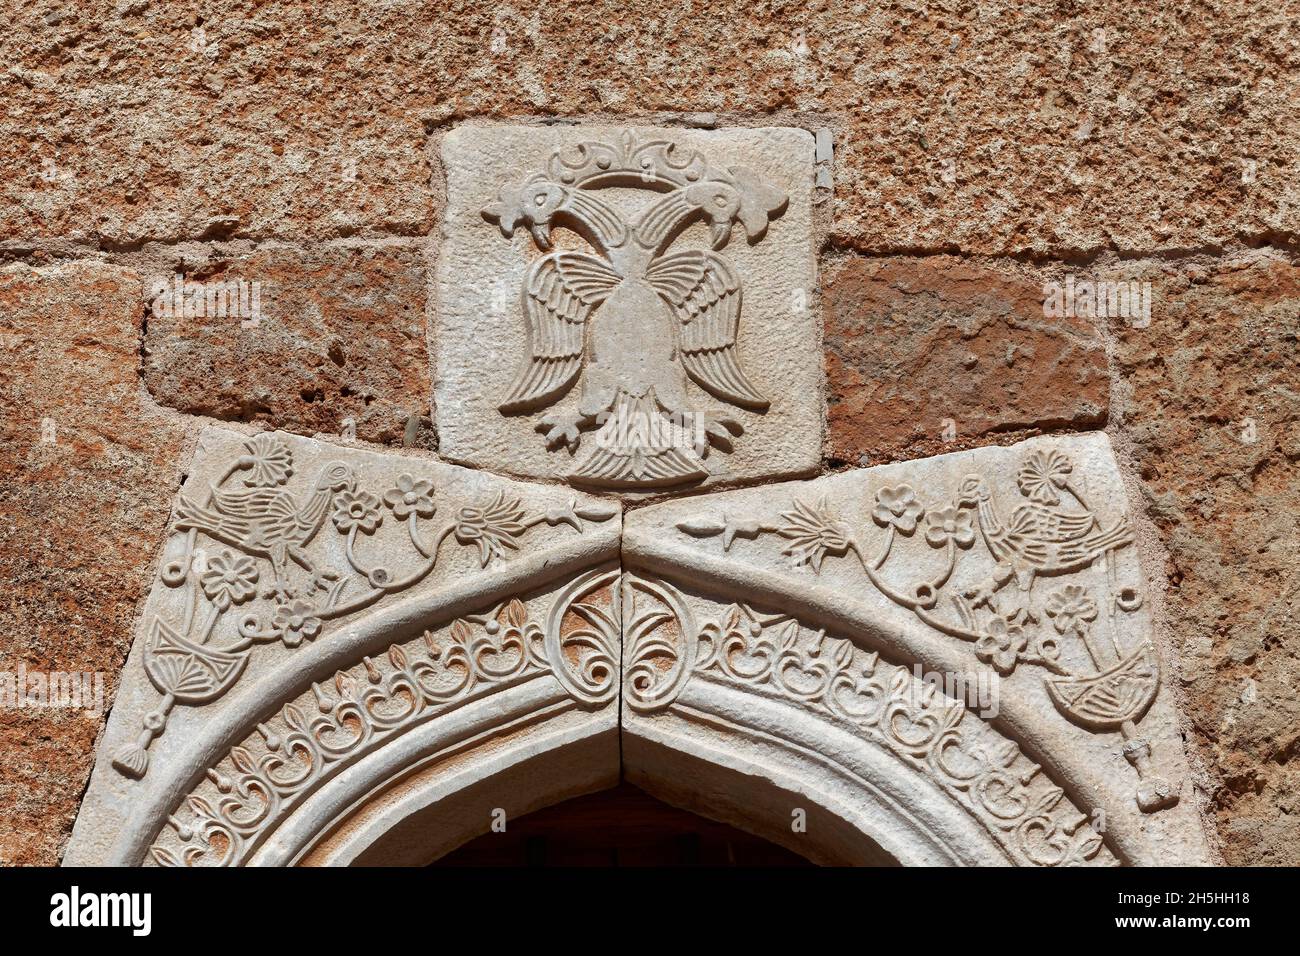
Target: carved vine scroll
(252,568)
(1051,597)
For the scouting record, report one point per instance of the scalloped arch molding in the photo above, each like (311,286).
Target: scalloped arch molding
(350,657)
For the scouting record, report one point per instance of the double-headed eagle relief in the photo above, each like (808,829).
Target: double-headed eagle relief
(634,320)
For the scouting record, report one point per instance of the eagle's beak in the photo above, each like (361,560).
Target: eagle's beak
(541,234)
(721,232)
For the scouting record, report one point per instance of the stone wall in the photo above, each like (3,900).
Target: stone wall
(980,151)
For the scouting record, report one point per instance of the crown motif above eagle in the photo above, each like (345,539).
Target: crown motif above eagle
(726,195)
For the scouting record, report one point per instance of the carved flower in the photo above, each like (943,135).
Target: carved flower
(493,527)
(897,507)
(357,509)
(411,496)
(1001,644)
(813,534)
(1070,608)
(949,524)
(1042,474)
(269,459)
(294,621)
(229,579)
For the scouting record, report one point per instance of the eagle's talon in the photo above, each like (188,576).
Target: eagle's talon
(561,429)
(717,432)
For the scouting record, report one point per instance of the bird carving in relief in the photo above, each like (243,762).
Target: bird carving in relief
(634,320)
(269,522)
(1041,537)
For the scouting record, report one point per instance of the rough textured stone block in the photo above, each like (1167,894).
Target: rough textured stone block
(339,346)
(686,308)
(925,356)
(87,467)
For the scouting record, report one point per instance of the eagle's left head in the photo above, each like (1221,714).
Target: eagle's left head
(530,205)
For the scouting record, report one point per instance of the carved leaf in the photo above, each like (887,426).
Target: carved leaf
(461,634)
(1087,845)
(293,717)
(516,613)
(952,715)
(163,857)
(200,806)
(843,653)
(596,512)
(1050,798)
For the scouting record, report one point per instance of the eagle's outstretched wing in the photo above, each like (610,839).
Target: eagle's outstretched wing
(704,294)
(560,292)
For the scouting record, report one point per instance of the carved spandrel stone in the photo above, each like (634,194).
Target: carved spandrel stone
(345,650)
(279,550)
(629,308)
(1016,562)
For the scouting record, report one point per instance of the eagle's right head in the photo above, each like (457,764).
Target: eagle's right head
(530,205)
(746,199)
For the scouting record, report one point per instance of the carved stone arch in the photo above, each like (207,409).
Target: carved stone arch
(879,584)
(531,679)
(250,722)
(767,657)
(772,719)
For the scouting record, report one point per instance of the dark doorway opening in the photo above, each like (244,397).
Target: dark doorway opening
(623,826)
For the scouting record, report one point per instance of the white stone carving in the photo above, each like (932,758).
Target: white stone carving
(355,657)
(819,683)
(1016,561)
(286,557)
(695,352)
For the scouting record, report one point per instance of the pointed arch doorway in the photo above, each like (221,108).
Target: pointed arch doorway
(622,826)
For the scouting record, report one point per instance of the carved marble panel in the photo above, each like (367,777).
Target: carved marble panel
(918,772)
(358,657)
(1016,563)
(293,566)
(281,789)
(629,308)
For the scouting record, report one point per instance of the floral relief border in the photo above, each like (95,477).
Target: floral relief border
(777,656)
(234,535)
(223,820)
